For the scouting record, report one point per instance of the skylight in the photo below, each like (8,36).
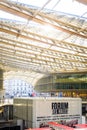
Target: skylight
(70,7)
(45,36)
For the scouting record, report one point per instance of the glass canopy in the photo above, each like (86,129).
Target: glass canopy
(43,37)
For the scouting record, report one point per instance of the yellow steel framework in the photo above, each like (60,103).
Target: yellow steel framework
(33,46)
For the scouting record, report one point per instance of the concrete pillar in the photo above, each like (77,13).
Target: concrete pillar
(20,123)
(2,91)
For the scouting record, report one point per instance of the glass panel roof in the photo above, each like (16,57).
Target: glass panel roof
(44,37)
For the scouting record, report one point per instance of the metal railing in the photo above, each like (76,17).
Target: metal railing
(6,102)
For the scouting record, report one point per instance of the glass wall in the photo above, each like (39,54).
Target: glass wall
(70,85)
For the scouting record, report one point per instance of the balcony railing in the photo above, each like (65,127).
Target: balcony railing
(6,102)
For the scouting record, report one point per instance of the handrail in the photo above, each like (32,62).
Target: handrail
(6,102)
